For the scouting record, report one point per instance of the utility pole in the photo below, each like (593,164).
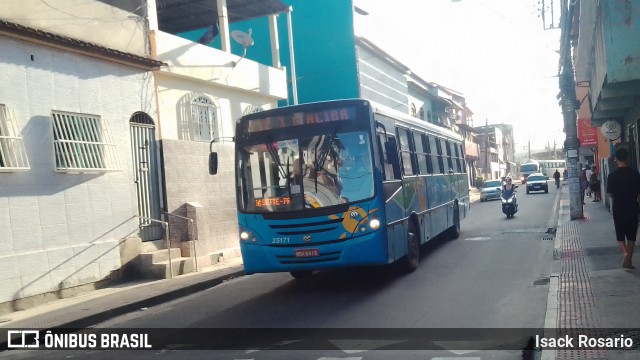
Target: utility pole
(486,150)
(529,148)
(569,106)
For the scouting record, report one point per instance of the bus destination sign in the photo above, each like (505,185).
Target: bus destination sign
(300,119)
(274,201)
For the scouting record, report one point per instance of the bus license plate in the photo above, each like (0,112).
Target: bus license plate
(307,252)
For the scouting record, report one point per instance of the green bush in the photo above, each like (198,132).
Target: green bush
(479,181)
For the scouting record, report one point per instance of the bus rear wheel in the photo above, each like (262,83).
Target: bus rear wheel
(301,274)
(454,231)
(412,259)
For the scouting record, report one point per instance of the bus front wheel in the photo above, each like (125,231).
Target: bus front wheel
(301,274)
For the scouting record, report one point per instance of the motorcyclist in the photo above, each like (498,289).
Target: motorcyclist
(508,189)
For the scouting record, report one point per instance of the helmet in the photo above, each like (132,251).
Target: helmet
(508,179)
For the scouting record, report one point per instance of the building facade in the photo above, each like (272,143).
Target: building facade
(104,139)
(603,37)
(69,102)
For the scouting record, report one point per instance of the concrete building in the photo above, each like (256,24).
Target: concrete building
(603,40)
(206,86)
(70,100)
(508,149)
(104,134)
(491,162)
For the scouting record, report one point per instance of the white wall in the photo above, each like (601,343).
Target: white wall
(187,178)
(88,20)
(59,230)
(381,82)
(210,66)
(231,102)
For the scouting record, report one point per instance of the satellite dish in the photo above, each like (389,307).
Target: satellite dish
(243,39)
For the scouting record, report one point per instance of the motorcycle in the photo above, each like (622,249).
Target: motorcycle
(509,204)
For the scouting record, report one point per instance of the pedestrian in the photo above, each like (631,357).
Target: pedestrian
(556,177)
(565,174)
(623,186)
(584,183)
(588,174)
(594,184)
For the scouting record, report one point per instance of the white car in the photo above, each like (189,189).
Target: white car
(491,190)
(537,182)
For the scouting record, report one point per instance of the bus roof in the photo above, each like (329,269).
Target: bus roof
(410,120)
(377,108)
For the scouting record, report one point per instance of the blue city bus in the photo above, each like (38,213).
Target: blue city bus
(343,183)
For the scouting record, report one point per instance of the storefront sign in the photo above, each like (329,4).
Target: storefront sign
(588,136)
(611,130)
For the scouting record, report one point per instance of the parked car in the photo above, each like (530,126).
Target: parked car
(537,182)
(491,190)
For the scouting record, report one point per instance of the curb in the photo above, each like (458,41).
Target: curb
(551,313)
(149,302)
(164,297)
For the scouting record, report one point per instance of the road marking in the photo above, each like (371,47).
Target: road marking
(462,352)
(360,345)
(479,238)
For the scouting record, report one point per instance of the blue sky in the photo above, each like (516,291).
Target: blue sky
(495,52)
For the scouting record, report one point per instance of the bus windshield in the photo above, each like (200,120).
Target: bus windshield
(529,167)
(305,173)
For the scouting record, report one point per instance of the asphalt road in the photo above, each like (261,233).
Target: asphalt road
(495,276)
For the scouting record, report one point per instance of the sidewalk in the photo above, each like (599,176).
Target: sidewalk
(588,286)
(99,305)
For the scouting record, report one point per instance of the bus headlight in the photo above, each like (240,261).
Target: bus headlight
(244,235)
(374,224)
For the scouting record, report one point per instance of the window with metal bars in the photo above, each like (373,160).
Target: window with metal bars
(252,109)
(204,120)
(83,143)
(13,156)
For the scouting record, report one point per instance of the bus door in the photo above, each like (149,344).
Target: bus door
(392,193)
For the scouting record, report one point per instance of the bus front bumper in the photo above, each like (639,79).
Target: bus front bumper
(368,249)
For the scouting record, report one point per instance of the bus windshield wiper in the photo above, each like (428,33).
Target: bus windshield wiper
(325,149)
(274,154)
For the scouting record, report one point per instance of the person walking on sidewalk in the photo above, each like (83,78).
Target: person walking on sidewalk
(594,184)
(588,172)
(556,177)
(584,183)
(623,186)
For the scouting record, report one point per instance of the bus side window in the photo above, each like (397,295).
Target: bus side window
(405,151)
(464,161)
(440,161)
(423,167)
(447,146)
(431,141)
(426,148)
(389,158)
(460,158)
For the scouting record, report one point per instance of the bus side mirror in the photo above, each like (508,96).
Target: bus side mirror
(213,163)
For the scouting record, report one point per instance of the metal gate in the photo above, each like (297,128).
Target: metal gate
(146,176)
